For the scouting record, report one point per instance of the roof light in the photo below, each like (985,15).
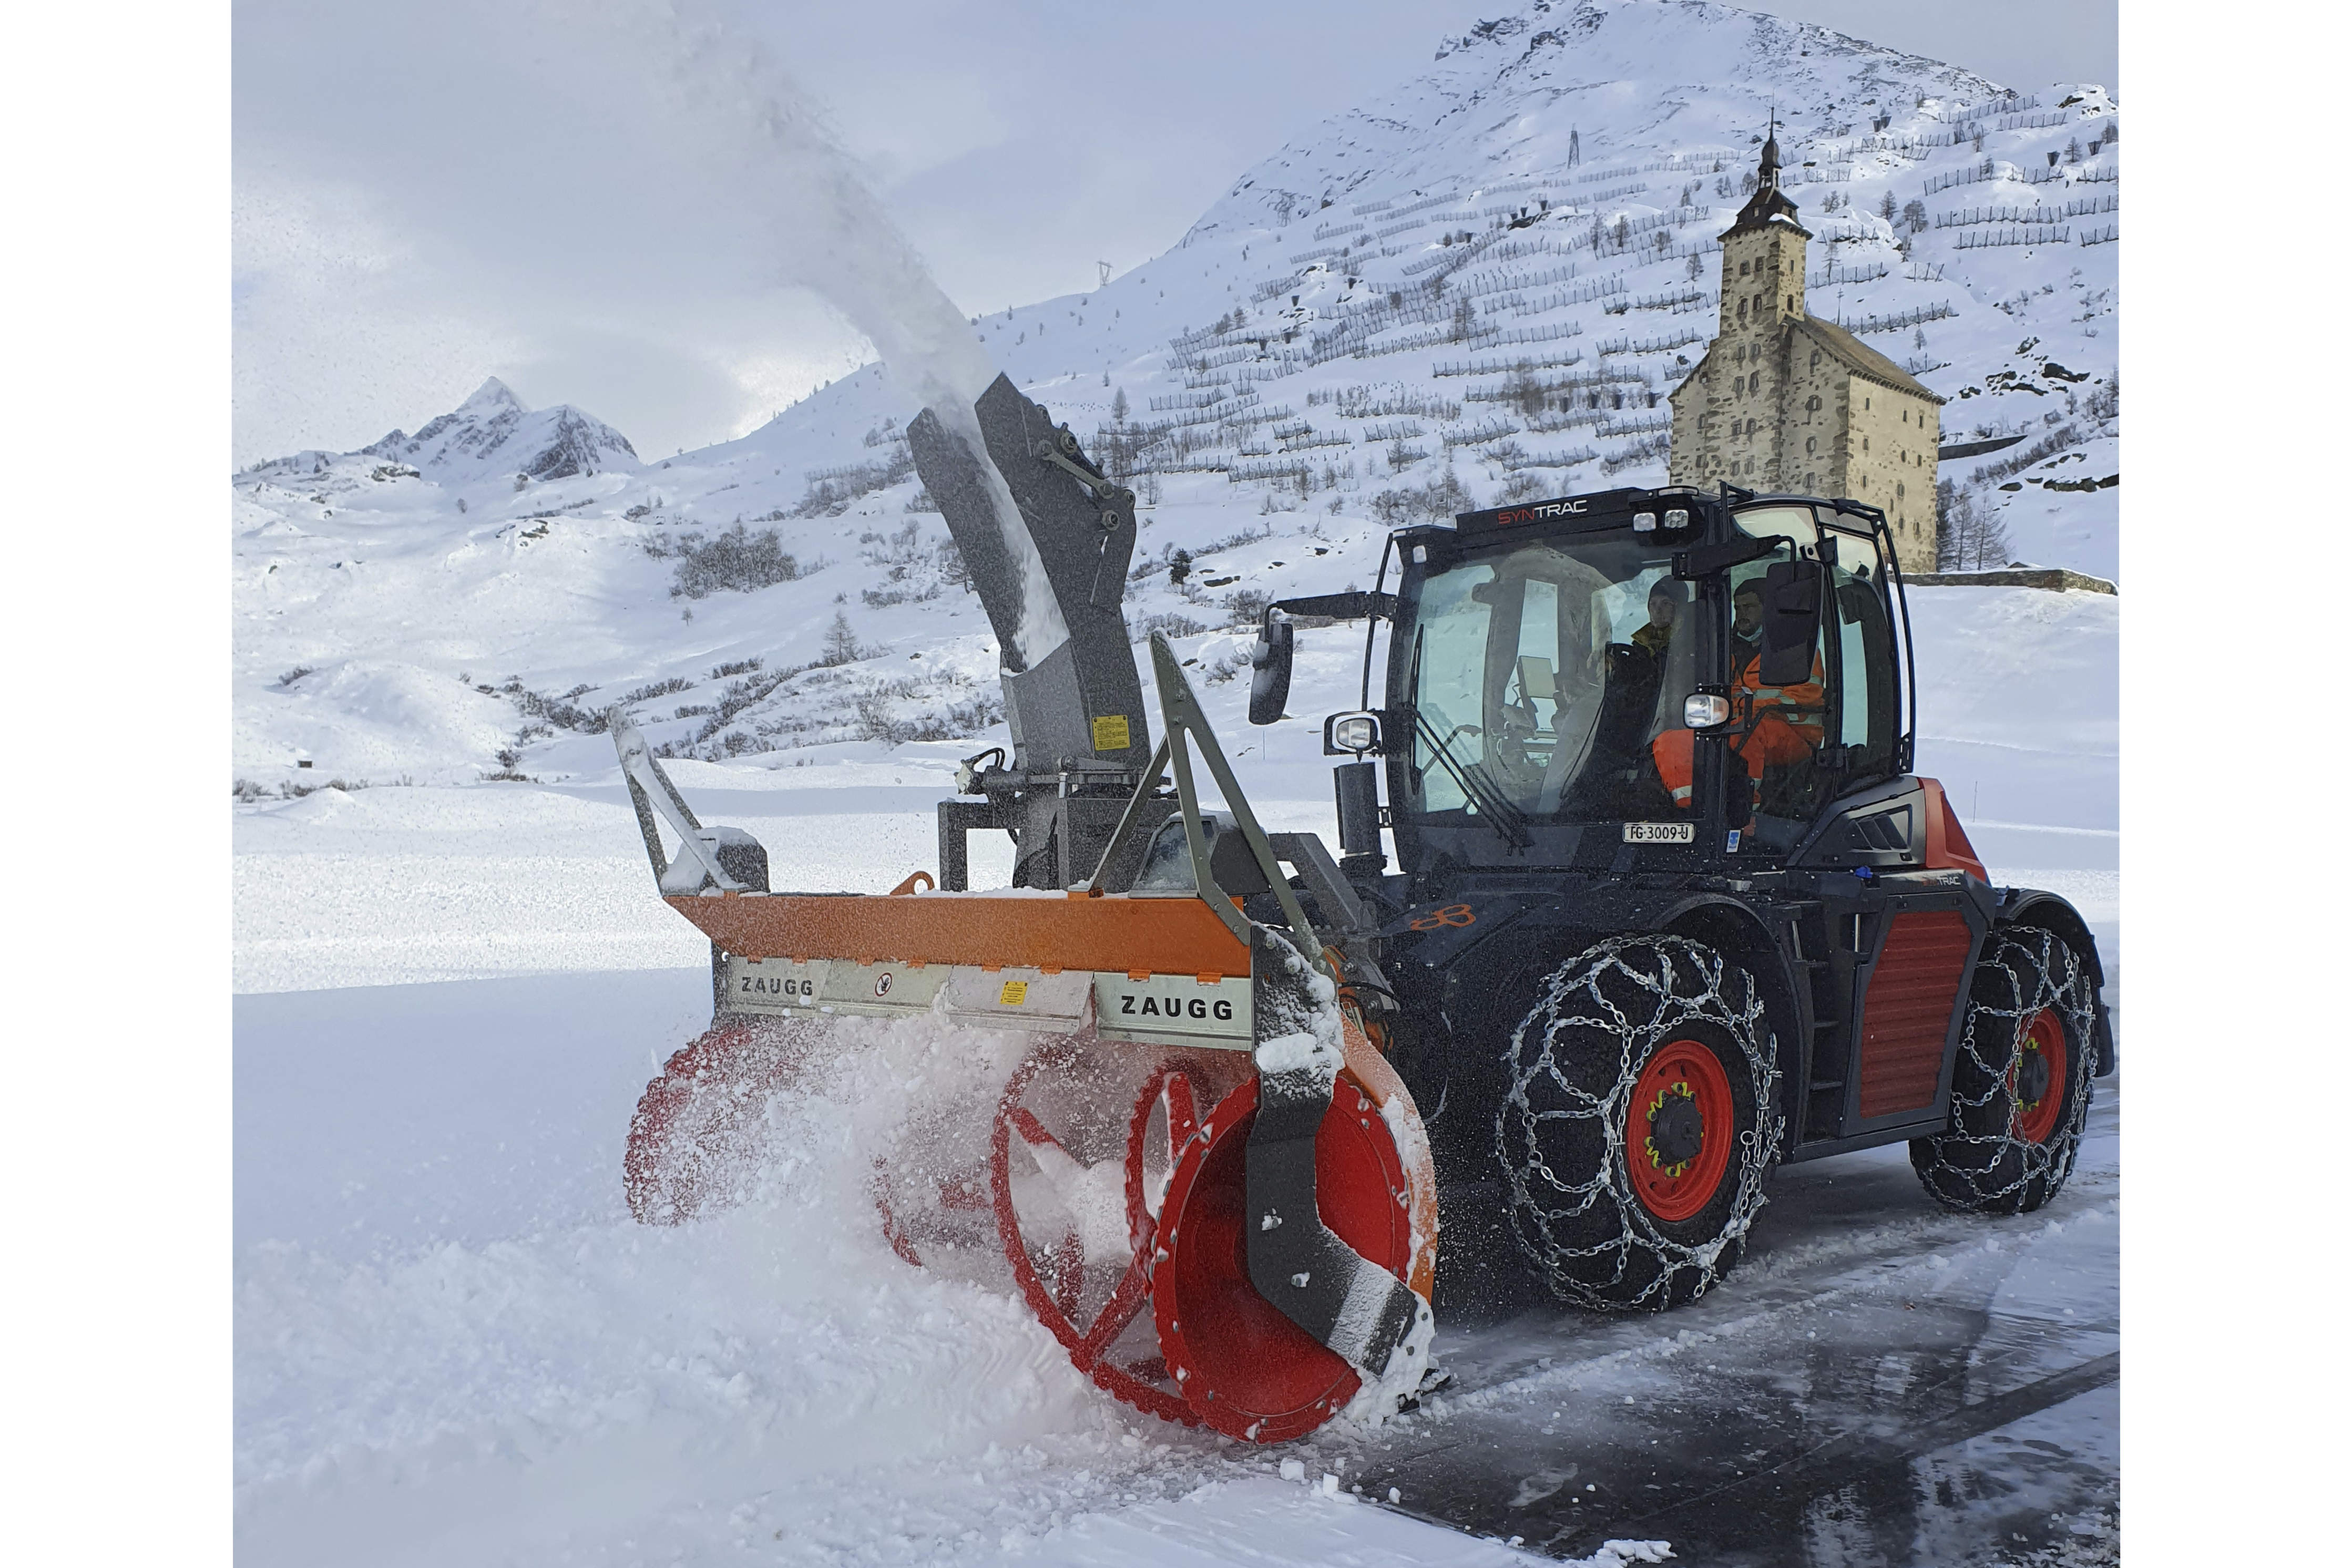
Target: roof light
(1645,522)
(1677,518)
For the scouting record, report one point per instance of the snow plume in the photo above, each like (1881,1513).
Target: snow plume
(632,180)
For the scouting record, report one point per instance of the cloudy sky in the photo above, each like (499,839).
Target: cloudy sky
(432,193)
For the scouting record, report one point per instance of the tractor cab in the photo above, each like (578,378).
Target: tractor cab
(1636,680)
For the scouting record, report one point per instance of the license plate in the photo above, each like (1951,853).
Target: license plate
(1660,832)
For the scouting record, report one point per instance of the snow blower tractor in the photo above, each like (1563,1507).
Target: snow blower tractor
(1667,910)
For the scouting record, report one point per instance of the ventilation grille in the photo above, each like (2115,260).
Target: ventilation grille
(1907,1011)
(1883,830)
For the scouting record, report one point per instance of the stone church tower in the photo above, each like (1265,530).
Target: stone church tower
(1785,402)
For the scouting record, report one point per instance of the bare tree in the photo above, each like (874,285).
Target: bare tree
(1524,391)
(841,645)
(1465,321)
(1972,538)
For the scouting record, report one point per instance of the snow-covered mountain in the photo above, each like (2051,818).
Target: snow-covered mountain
(1478,285)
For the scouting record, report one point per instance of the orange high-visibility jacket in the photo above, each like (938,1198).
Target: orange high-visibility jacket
(1804,704)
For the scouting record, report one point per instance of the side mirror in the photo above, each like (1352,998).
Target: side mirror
(1792,623)
(1270,668)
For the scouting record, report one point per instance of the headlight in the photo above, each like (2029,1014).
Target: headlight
(1351,735)
(1704,710)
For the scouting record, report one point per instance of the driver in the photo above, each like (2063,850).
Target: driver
(1746,623)
(1770,725)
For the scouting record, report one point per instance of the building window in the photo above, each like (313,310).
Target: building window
(1866,444)
(1816,365)
(1756,381)
(1743,269)
(1810,443)
(1898,489)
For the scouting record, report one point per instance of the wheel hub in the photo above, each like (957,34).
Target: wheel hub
(2033,1076)
(1677,1129)
(2037,1082)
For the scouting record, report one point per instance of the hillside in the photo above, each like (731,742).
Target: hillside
(1479,285)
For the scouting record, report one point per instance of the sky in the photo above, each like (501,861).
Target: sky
(450,191)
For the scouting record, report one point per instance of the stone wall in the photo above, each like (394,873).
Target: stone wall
(1891,464)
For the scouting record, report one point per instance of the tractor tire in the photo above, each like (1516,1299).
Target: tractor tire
(1639,1122)
(2021,1086)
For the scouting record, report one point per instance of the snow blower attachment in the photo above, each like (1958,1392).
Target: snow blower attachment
(1208,1182)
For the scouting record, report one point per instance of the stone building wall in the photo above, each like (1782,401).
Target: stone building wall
(1892,435)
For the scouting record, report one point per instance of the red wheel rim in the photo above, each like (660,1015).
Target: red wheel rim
(2045,1040)
(1052,1277)
(1245,1369)
(708,1095)
(1673,1189)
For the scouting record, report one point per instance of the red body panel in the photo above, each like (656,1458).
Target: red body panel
(1907,1014)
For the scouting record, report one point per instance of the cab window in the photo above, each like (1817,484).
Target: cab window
(1864,684)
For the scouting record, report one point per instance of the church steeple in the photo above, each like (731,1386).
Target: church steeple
(1764,252)
(1768,203)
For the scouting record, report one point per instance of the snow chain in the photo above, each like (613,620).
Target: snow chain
(1981,1164)
(1586,1232)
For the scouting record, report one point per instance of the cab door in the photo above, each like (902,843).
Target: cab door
(1913,930)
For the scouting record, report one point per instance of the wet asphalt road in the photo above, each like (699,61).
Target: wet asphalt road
(1881,1382)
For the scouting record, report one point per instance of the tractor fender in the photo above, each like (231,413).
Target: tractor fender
(1736,928)
(2033,908)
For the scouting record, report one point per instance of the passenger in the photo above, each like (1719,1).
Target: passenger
(1665,603)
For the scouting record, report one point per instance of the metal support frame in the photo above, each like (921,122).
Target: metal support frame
(653,795)
(1183,726)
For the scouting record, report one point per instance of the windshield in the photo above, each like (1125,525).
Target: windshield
(1540,676)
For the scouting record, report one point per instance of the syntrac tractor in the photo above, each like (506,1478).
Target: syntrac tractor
(1669,907)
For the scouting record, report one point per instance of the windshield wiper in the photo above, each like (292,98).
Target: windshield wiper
(1471,779)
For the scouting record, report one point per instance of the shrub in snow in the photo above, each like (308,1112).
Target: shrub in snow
(1246,607)
(1435,502)
(735,561)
